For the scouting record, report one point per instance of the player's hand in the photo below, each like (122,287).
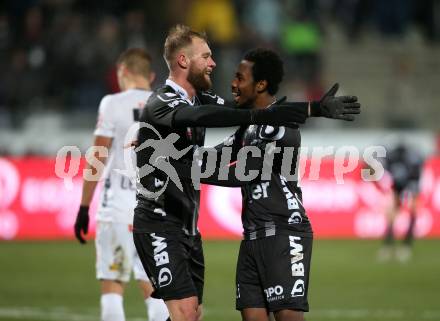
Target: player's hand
(82,223)
(341,107)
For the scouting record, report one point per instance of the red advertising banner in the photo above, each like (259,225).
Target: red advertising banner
(36,204)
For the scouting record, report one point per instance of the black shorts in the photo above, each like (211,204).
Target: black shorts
(273,272)
(174,262)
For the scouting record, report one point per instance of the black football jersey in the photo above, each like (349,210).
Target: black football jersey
(273,203)
(172,208)
(272,199)
(404,165)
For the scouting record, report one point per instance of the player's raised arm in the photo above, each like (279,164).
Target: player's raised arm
(283,113)
(216,116)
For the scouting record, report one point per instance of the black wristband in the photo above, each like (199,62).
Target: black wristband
(315,109)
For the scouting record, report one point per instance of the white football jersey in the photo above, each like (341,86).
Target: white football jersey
(117,114)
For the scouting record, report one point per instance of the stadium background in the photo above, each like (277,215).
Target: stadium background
(56,62)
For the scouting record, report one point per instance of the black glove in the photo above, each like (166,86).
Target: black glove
(82,223)
(341,107)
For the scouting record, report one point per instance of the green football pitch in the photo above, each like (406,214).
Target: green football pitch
(55,281)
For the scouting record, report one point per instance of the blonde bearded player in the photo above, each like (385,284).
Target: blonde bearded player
(116,254)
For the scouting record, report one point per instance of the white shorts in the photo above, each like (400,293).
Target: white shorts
(116,254)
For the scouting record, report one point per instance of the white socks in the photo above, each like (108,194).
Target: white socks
(112,308)
(157,309)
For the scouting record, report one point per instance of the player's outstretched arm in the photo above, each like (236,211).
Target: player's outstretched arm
(217,116)
(178,113)
(281,113)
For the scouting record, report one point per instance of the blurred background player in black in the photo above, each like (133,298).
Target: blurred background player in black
(404,165)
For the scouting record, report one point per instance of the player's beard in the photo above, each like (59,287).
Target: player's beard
(199,79)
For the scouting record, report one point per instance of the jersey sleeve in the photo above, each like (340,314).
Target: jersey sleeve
(210,98)
(161,109)
(106,124)
(168,109)
(222,116)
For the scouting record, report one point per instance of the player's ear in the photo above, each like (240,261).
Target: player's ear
(151,77)
(122,69)
(182,60)
(261,86)
(127,71)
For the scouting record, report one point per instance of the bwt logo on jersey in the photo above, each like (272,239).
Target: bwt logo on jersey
(292,203)
(161,257)
(274,293)
(297,255)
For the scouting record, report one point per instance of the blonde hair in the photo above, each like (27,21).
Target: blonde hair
(137,61)
(179,37)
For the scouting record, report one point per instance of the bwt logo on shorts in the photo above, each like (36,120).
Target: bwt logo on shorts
(161,257)
(297,255)
(298,288)
(274,293)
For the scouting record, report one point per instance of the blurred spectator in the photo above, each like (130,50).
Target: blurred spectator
(393,16)
(134,29)
(5,33)
(402,92)
(261,23)
(70,30)
(20,85)
(301,42)
(58,54)
(217,18)
(427,16)
(354,14)
(94,60)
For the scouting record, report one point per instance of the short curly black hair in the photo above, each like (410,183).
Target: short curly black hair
(267,66)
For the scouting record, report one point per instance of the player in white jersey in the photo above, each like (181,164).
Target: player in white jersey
(115,251)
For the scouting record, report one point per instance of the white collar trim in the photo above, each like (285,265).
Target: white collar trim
(179,90)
